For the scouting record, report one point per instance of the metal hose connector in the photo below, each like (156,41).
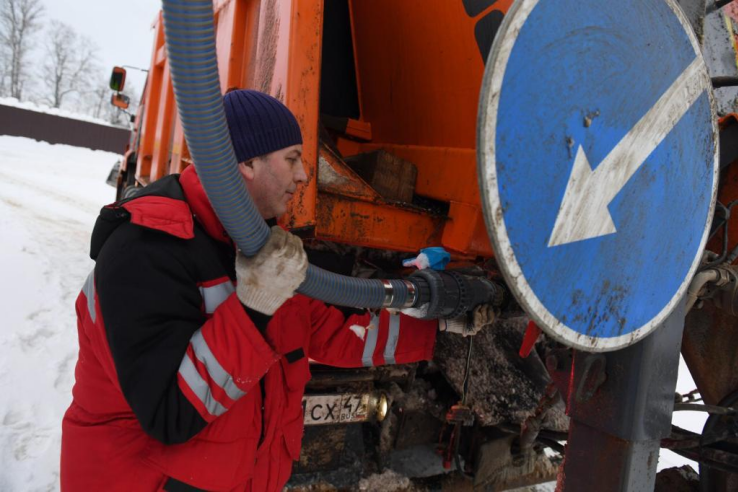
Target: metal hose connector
(190,37)
(698,282)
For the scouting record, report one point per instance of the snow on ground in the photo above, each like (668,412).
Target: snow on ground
(41,108)
(49,198)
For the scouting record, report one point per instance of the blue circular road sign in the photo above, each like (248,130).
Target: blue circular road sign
(597,164)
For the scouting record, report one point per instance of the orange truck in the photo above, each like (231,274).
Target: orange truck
(386,93)
(400,77)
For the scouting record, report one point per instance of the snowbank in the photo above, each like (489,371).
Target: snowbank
(49,199)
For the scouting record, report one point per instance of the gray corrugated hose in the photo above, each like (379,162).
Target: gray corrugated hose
(190,38)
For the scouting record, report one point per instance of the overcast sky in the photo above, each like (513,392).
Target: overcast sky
(121,30)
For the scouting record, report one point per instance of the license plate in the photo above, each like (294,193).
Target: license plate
(335,409)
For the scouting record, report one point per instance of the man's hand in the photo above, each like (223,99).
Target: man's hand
(481,317)
(268,279)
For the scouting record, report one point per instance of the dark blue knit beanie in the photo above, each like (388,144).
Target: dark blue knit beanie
(259,124)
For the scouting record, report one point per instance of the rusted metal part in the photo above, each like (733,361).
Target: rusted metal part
(323,376)
(268,39)
(392,177)
(705,408)
(505,388)
(335,176)
(599,461)
(625,416)
(593,377)
(559,363)
(531,428)
(718,460)
(721,437)
(719,450)
(682,479)
(726,288)
(709,336)
(636,399)
(447,174)
(681,439)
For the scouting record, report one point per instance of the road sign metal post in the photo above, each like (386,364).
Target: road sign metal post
(617,425)
(597,165)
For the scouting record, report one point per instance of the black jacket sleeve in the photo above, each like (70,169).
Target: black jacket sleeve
(151,306)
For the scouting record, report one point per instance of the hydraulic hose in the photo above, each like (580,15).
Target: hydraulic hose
(190,38)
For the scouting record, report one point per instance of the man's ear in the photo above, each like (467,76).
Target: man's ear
(247,170)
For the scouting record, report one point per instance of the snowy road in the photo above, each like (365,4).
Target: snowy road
(49,198)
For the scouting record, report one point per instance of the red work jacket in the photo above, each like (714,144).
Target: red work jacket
(234,437)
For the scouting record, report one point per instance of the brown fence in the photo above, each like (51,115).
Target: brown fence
(59,130)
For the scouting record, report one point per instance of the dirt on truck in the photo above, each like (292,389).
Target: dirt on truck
(387,94)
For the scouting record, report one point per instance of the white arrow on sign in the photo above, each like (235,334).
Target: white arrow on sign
(583,213)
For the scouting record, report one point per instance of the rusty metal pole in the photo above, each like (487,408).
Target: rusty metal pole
(620,405)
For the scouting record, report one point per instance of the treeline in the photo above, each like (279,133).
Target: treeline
(48,62)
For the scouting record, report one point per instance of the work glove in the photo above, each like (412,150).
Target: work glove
(470,324)
(267,279)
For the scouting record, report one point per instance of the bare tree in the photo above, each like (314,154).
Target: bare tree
(4,72)
(99,99)
(69,64)
(19,20)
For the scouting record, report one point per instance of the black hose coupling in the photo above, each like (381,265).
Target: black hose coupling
(450,294)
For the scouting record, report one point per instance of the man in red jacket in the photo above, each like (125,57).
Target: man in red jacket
(191,371)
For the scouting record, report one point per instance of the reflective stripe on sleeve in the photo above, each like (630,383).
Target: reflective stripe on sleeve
(370,342)
(200,387)
(89,290)
(213,296)
(392,339)
(215,370)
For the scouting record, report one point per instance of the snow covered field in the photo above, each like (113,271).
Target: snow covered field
(49,198)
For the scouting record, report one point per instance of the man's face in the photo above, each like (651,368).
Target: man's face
(272,179)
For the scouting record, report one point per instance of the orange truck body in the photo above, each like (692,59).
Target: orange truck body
(407,81)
